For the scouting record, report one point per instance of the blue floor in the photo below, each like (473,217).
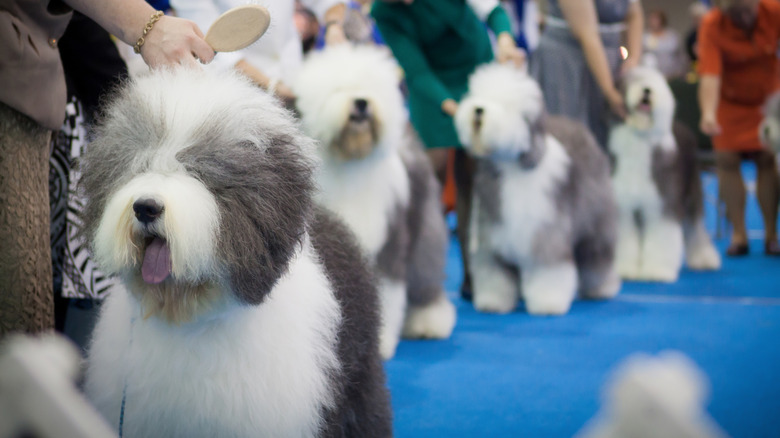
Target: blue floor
(522,376)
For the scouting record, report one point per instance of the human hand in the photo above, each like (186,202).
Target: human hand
(175,41)
(709,124)
(334,34)
(507,50)
(449,106)
(616,103)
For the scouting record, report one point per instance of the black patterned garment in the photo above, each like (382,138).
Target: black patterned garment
(75,274)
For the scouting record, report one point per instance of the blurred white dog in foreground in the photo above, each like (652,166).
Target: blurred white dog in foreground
(654,397)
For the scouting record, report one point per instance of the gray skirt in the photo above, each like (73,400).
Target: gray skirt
(569,88)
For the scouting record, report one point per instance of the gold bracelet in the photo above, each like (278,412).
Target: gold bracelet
(155,17)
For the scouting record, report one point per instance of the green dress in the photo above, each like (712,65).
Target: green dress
(438,43)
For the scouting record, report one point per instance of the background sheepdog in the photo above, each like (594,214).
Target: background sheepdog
(658,186)
(249,312)
(375,176)
(543,201)
(770,127)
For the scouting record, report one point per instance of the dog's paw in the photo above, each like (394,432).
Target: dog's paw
(494,303)
(607,289)
(388,343)
(551,304)
(434,321)
(660,273)
(628,271)
(704,258)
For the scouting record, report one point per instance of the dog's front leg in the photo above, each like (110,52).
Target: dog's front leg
(494,283)
(549,288)
(392,294)
(629,246)
(662,251)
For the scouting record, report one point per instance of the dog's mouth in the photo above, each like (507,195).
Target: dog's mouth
(644,106)
(359,117)
(156,266)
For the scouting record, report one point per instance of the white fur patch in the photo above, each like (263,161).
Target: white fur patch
(433,321)
(241,371)
(190,232)
(392,295)
(528,202)
(366,194)
(633,181)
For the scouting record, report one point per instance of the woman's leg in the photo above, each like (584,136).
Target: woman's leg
(465,167)
(732,192)
(438,158)
(767,192)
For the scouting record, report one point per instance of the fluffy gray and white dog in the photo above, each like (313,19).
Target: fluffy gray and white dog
(544,216)
(248,311)
(376,177)
(658,186)
(770,126)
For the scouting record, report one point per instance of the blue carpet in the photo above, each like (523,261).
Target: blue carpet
(522,376)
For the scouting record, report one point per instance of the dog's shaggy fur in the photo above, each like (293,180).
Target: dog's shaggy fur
(658,186)
(770,127)
(375,176)
(249,312)
(543,201)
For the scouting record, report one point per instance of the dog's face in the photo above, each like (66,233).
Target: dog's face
(501,115)
(197,183)
(770,126)
(649,100)
(349,100)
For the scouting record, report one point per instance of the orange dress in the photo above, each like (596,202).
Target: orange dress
(749,70)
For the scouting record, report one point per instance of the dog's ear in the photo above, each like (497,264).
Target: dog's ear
(529,159)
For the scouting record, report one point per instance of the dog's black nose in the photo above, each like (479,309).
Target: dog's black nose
(361,105)
(646,92)
(479,111)
(147,210)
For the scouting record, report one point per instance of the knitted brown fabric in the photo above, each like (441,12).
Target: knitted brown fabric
(26,298)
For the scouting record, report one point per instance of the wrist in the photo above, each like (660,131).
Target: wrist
(148,28)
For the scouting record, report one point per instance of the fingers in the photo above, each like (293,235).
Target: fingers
(202,50)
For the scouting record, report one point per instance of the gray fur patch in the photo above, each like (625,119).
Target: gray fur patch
(427,253)
(676,175)
(264,197)
(391,259)
(362,405)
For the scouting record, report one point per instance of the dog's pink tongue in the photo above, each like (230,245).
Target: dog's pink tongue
(157,262)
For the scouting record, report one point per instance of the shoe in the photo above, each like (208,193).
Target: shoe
(772,248)
(737,250)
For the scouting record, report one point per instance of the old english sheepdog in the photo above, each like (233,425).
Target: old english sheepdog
(376,177)
(770,127)
(658,186)
(249,312)
(544,216)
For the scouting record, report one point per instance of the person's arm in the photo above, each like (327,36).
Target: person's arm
(583,22)
(710,68)
(419,76)
(171,41)
(709,94)
(494,15)
(331,14)
(635,20)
